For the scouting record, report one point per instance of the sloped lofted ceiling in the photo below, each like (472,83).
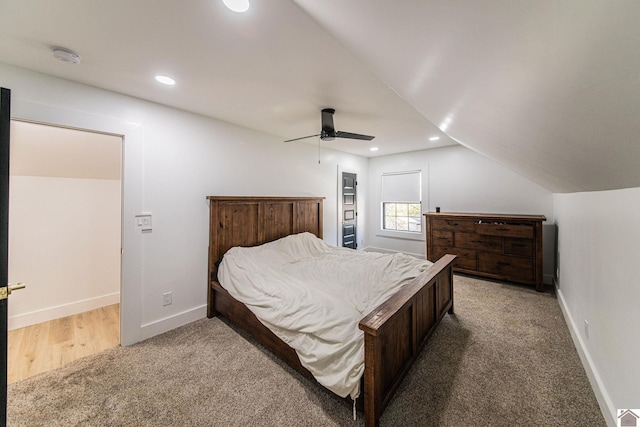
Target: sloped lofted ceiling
(549,89)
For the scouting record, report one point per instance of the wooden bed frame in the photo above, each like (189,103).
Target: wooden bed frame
(394,332)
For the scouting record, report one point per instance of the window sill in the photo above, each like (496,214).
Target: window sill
(407,235)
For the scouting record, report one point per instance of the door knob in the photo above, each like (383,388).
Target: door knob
(5,291)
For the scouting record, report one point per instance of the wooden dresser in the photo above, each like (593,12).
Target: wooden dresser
(504,247)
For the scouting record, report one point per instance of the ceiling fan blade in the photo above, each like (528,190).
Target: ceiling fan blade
(304,137)
(350,135)
(328,131)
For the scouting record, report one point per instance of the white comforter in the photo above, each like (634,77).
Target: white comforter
(312,296)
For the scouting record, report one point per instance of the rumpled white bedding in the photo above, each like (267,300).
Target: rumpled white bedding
(312,296)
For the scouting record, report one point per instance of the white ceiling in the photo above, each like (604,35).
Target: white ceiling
(550,89)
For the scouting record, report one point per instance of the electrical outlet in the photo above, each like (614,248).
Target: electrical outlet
(167,298)
(586,328)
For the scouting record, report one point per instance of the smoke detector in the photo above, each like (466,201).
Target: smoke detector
(66,55)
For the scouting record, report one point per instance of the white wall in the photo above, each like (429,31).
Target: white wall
(599,281)
(64,243)
(172,161)
(458,180)
(196,157)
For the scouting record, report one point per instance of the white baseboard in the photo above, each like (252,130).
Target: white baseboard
(50,313)
(161,326)
(604,401)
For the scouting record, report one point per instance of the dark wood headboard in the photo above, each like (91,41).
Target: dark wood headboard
(252,221)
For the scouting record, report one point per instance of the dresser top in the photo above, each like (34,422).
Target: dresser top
(487,216)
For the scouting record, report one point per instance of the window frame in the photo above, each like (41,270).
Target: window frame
(403,234)
(398,216)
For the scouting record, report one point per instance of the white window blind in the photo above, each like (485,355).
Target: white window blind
(402,186)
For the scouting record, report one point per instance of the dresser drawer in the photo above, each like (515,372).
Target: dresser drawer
(515,268)
(442,238)
(478,241)
(505,230)
(453,224)
(522,247)
(466,258)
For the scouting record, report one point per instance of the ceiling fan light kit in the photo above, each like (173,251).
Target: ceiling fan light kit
(328,131)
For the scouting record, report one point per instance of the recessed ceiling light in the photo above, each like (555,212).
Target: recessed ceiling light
(237,5)
(434,138)
(373,149)
(66,55)
(446,122)
(165,80)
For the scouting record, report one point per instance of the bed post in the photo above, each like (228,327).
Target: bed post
(450,284)
(212,268)
(211,296)
(372,370)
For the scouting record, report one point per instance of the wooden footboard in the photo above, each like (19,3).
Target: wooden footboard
(396,331)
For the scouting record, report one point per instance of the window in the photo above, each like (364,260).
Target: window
(402,201)
(402,217)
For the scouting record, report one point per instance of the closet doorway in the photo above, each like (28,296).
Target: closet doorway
(65,239)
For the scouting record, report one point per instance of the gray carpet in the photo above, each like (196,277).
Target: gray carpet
(505,358)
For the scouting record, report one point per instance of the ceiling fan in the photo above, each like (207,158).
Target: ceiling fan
(329,133)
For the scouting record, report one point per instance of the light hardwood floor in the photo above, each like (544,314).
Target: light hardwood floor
(49,345)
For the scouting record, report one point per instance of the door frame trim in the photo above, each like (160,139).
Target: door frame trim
(340,207)
(132,178)
(5,138)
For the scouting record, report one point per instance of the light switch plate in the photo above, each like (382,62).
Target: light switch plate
(143,221)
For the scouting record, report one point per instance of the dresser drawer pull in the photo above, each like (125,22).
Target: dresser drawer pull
(477,241)
(452,223)
(443,238)
(518,245)
(502,229)
(503,264)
